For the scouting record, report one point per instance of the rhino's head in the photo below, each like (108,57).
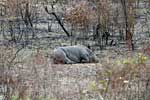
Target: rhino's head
(93,59)
(58,57)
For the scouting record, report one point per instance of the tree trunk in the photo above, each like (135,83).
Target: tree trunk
(59,21)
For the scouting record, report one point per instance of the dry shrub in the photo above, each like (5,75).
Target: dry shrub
(104,8)
(131,23)
(39,58)
(8,77)
(130,41)
(8,54)
(14,6)
(21,80)
(18,8)
(146,48)
(129,79)
(84,13)
(80,14)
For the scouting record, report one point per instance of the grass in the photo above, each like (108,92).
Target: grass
(34,77)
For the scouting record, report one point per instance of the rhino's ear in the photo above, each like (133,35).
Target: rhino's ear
(89,51)
(88,46)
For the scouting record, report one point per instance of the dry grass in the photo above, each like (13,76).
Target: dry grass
(35,78)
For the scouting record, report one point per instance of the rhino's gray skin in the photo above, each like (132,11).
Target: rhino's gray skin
(73,54)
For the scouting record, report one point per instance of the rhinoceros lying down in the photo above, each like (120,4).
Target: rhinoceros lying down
(73,54)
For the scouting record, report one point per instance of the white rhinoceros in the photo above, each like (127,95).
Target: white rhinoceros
(73,54)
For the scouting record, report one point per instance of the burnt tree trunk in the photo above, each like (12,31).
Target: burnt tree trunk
(124,5)
(59,21)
